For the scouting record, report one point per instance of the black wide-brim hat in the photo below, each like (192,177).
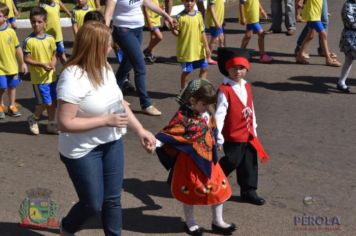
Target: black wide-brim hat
(227,53)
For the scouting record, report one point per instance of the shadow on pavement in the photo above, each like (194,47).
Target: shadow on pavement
(17,127)
(311,84)
(12,229)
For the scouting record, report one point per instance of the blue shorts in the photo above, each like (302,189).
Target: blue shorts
(215,32)
(9,81)
(255,27)
(316,25)
(45,94)
(11,20)
(60,47)
(190,66)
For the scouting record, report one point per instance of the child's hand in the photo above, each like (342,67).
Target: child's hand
(47,67)
(148,140)
(24,68)
(243,21)
(208,52)
(264,14)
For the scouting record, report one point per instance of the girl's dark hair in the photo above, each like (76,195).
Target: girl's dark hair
(206,93)
(38,11)
(94,16)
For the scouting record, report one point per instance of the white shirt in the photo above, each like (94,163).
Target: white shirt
(128,14)
(223,105)
(75,87)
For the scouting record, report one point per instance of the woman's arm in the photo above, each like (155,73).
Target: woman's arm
(158,10)
(147,139)
(109,11)
(69,122)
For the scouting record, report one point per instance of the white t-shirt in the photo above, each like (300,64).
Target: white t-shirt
(128,14)
(75,87)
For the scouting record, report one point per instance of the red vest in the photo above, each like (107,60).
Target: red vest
(238,124)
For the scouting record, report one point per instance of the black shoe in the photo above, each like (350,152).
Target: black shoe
(253,198)
(224,231)
(345,89)
(197,232)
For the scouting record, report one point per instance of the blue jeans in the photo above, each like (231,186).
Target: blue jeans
(130,41)
(324,20)
(97,178)
(277,14)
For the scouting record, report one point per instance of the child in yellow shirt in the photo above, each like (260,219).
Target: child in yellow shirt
(40,54)
(9,50)
(78,14)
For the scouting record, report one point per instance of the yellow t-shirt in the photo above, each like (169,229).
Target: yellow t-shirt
(91,4)
(9,4)
(312,10)
(219,8)
(78,15)
(40,49)
(53,26)
(251,10)
(154,18)
(8,44)
(190,46)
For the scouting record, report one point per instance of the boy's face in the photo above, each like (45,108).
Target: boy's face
(38,24)
(237,72)
(3,19)
(188,5)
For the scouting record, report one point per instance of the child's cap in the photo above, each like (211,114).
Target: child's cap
(190,89)
(229,57)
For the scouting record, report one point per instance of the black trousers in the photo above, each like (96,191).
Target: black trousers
(241,157)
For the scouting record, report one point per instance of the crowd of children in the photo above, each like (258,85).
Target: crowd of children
(188,146)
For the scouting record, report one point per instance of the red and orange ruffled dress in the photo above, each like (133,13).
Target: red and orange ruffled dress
(190,153)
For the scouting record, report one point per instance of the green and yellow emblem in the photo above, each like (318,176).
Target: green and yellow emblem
(37,210)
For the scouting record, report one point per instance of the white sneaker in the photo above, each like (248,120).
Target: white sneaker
(152,111)
(33,125)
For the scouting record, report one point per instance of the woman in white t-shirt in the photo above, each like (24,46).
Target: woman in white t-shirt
(92,117)
(128,20)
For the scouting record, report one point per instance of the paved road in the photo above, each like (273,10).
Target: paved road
(306,125)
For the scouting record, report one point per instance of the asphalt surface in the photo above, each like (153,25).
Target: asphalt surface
(306,125)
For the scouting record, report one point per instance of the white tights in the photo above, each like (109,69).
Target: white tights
(217,211)
(345,70)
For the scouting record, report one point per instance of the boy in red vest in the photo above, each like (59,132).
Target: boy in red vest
(236,123)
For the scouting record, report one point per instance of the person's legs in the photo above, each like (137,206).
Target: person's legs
(156,38)
(86,174)
(345,70)
(121,36)
(301,38)
(300,58)
(276,9)
(183,79)
(246,38)
(290,21)
(247,170)
(261,42)
(189,217)
(129,41)
(325,22)
(113,171)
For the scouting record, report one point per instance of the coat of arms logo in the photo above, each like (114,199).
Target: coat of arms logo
(37,210)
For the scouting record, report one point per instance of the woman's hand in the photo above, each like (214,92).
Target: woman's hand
(147,139)
(117,120)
